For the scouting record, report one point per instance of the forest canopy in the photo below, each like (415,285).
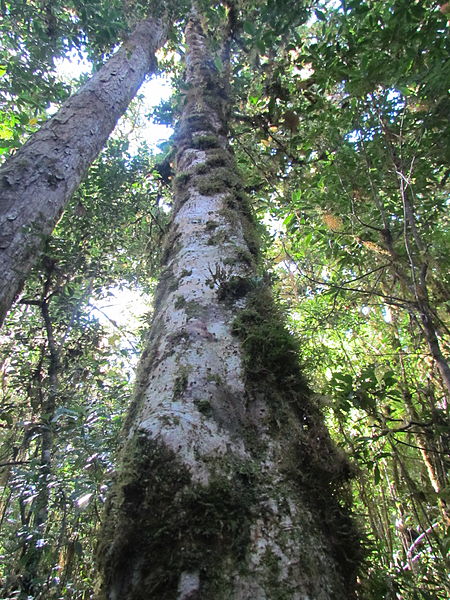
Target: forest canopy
(338,122)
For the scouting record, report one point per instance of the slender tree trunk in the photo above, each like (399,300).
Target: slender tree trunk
(33,582)
(37,181)
(433,343)
(227,485)
(428,440)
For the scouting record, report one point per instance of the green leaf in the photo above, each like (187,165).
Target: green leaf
(218,63)
(296,195)
(261,46)
(320,15)
(249,28)
(376,475)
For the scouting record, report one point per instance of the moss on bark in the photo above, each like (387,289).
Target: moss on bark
(158,524)
(318,470)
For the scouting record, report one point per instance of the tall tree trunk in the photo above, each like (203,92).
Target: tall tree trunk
(37,181)
(227,487)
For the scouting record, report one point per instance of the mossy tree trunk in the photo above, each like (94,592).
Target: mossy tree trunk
(228,483)
(38,180)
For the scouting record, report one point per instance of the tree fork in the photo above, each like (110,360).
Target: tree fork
(37,182)
(228,483)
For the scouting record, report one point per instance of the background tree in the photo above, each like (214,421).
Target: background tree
(39,179)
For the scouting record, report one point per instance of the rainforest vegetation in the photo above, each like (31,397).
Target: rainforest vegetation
(338,123)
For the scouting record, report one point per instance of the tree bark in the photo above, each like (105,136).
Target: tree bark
(227,488)
(37,181)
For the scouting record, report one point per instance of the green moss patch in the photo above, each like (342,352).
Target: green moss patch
(198,122)
(159,524)
(180,302)
(181,382)
(216,180)
(204,141)
(180,181)
(269,348)
(204,406)
(211,225)
(214,160)
(218,238)
(234,288)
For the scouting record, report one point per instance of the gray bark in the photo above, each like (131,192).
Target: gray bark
(227,487)
(37,181)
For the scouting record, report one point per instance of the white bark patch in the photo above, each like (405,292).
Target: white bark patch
(189,584)
(283,535)
(191,158)
(194,399)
